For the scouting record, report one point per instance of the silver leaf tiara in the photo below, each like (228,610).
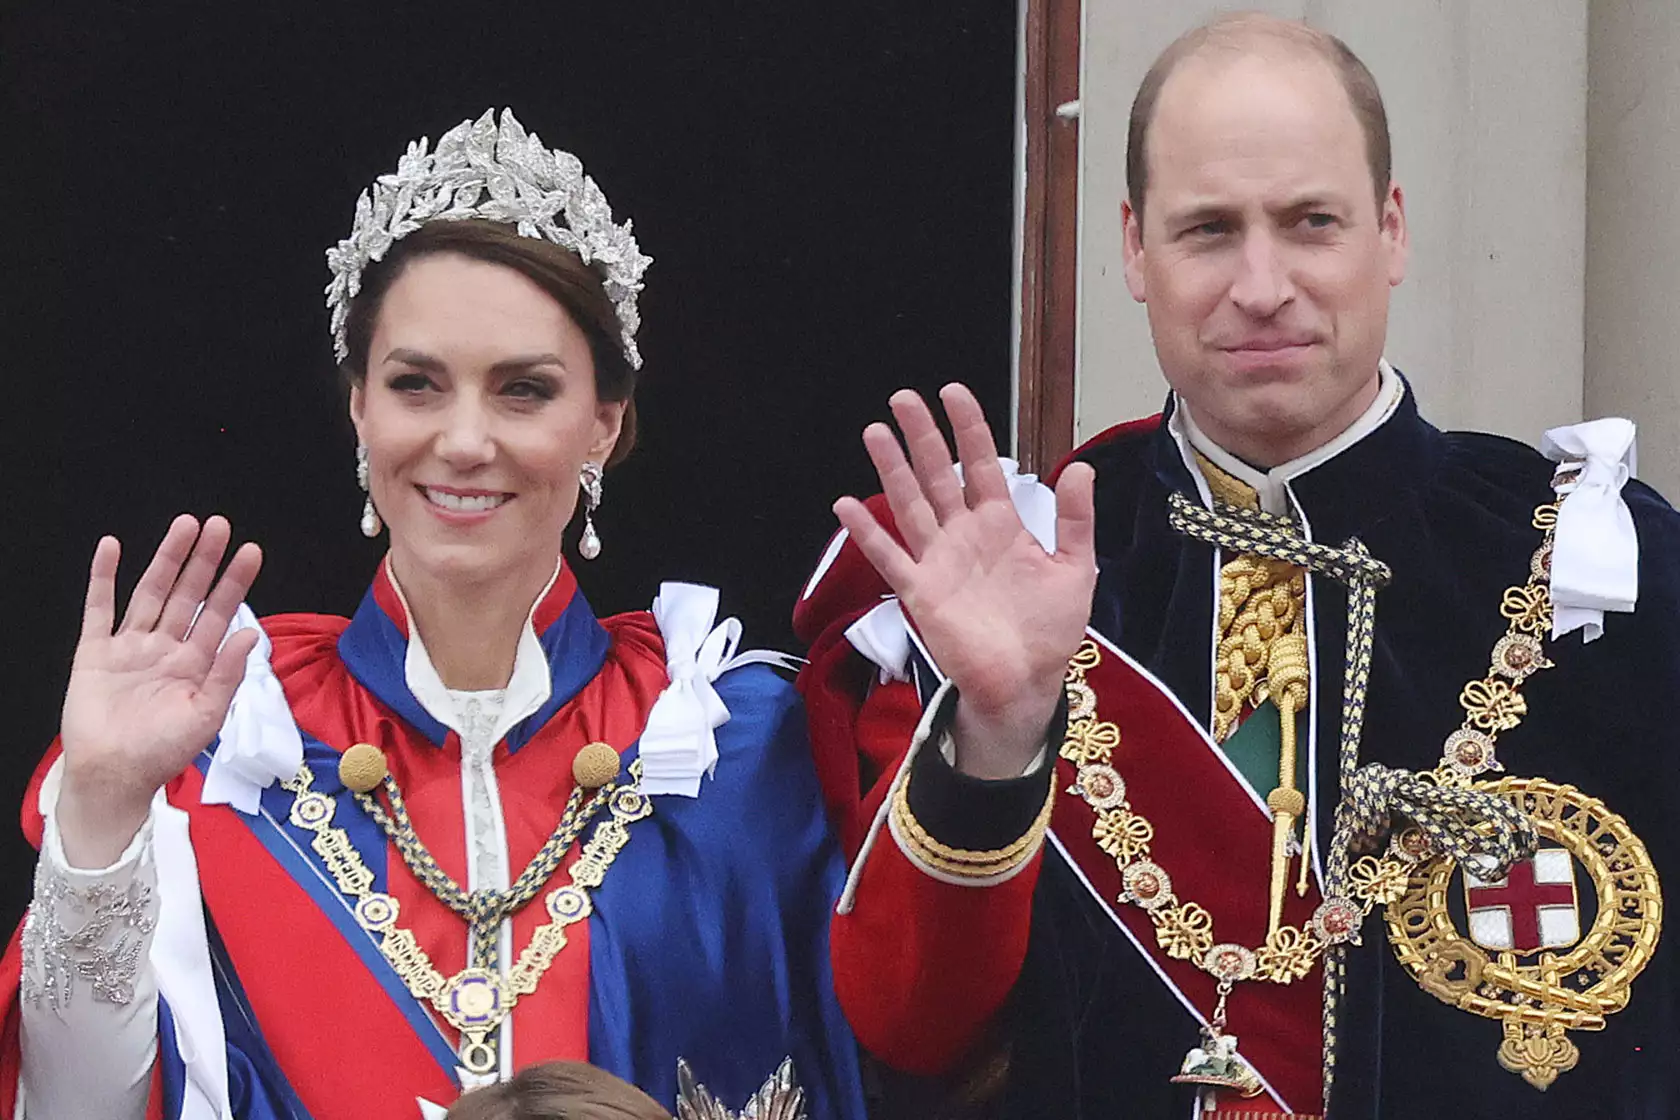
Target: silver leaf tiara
(499,172)
(779,1098)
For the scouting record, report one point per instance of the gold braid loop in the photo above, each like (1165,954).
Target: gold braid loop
(1263,534)
(1288,672)
(1475,828)
(1241,530)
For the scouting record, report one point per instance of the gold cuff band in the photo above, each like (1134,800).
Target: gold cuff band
(962,862)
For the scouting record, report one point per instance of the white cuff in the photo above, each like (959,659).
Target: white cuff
(87,982)
(52,842)
(174,960)
(948,751)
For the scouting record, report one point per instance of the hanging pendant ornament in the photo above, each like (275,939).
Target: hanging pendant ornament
(589,545)
(370,516)
(1216,1064)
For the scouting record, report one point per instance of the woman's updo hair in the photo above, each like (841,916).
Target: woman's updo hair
(575,286)
(558,1091)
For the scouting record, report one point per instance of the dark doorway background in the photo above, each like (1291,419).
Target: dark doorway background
(825,190)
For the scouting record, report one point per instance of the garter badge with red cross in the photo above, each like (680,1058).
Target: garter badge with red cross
(1553,946)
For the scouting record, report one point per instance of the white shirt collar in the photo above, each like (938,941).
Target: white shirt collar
(1272,485)
(528,687)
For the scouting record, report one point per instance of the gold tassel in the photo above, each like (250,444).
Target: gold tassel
(1286,677)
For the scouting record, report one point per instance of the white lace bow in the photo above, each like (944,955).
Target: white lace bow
(1595,555)
(259,743)
(678,746)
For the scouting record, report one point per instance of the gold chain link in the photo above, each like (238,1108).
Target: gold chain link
(476,1000)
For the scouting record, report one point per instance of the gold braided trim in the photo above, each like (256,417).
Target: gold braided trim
(474,1001)
(1262,616)
(1262,611)
(961,862)
(1226,488)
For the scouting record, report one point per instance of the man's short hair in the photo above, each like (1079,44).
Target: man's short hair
(1250,32)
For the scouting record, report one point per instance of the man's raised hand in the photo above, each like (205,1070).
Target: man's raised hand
(998,614)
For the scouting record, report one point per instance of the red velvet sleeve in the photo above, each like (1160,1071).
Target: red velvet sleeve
(921,965)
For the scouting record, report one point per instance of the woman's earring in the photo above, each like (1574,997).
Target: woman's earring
(589,546)
(370,516)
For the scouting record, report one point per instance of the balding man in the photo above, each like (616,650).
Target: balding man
(1329,692)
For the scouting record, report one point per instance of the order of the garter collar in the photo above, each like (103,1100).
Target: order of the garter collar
(500,173)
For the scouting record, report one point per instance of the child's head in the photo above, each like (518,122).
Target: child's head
(559,1091)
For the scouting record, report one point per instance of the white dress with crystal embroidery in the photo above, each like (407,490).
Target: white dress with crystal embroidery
(88,985)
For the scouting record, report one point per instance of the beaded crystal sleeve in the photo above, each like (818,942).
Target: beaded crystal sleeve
(90,929)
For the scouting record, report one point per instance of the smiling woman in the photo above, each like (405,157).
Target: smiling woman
(573,287)
(473,827)
(493,387)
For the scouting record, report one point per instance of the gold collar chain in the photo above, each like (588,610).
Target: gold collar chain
(1538,994)
(1184,929)
(476,1000)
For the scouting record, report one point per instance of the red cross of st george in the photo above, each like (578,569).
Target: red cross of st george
(1523,897)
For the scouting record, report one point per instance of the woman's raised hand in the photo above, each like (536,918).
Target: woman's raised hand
(146,697)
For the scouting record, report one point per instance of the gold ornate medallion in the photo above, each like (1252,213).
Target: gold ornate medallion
(1523,957)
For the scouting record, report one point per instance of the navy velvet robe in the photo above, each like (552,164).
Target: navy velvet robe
(1091,1032)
